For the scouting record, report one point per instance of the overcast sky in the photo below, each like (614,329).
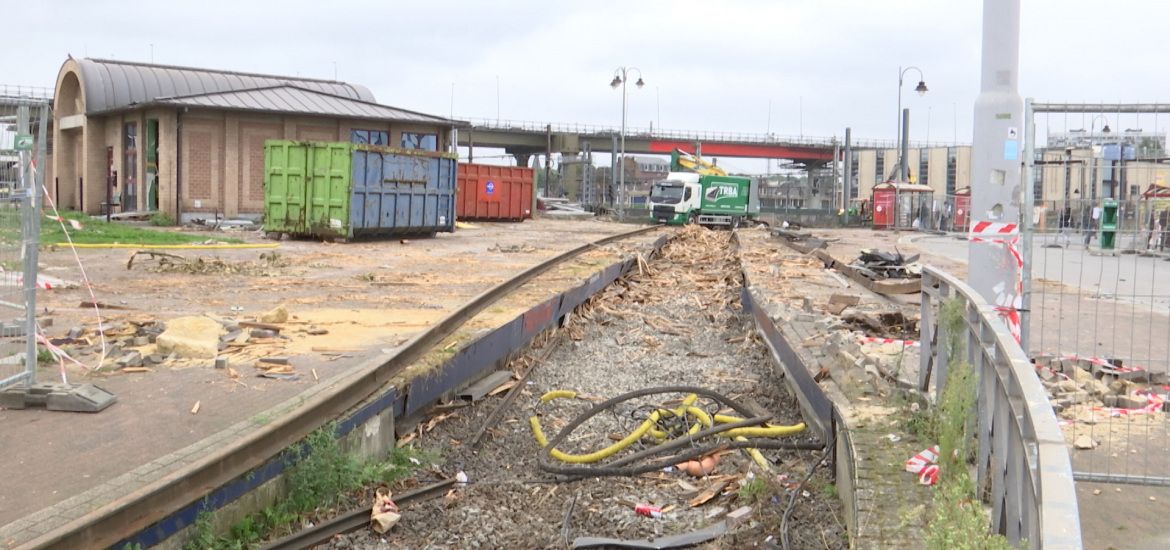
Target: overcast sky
(821,64)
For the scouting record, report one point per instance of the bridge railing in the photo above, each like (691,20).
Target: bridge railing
(25,92)
(683,135)
(1022,463)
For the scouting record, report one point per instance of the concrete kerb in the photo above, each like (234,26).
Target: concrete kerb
(227,463)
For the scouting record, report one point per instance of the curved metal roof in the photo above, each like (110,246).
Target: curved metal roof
(288,99)
(113,85)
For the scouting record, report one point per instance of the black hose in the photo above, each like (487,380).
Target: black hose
(799,488)
(685,440)
(605,471)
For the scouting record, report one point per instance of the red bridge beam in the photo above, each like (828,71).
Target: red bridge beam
(745,150)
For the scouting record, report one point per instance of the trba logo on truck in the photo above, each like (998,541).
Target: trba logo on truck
(722,191)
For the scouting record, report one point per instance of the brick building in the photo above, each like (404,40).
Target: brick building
(190,142)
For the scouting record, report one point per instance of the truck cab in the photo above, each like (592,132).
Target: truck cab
(676,199)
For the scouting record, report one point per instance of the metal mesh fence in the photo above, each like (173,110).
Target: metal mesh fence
(23,124)
(1100,319)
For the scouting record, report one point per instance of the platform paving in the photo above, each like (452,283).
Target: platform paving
(63,465)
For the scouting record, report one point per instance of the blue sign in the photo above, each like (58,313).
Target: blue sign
(489,187)
(1011,149)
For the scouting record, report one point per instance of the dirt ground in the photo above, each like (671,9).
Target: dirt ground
(677,323)
(359,300)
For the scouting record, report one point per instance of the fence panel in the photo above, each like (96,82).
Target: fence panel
(1022,467)
(23,124)
(1100,316)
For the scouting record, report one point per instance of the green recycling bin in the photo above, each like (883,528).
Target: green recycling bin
(1107,230)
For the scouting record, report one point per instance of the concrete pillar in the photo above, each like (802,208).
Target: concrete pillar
(522,159)
(996,155)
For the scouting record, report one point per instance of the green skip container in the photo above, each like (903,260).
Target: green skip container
(344,190)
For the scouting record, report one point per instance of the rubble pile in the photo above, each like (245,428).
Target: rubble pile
(1075,384)
(138,345)
(877,264)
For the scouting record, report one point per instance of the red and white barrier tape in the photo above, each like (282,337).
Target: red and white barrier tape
(925,464)
(871,340)
(1007,236)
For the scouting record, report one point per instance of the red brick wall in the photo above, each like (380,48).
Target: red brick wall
(202,164)
(308,132)
(252,137)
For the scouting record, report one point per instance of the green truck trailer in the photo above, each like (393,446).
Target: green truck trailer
(710,200)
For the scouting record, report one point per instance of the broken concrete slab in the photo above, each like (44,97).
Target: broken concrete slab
(279,314)
(838,303)
(131,359)
(58,397)
(191,337)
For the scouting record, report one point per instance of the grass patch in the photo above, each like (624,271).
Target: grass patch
(318,484)
(161,219)
(99,231)
(958,521)
(753,490)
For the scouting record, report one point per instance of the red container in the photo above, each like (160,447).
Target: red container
(962,208)
(489,193)
(883,205)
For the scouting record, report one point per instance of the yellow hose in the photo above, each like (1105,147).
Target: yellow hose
(758,431)
(596,455)
(756,456)
(686,408)
(558,394)
(169,246)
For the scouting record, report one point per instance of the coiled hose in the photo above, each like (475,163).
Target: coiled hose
(736,428)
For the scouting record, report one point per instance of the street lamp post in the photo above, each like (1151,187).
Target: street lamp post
(903,135)
(620,77)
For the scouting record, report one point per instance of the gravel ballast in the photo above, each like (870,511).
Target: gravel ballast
(675,320)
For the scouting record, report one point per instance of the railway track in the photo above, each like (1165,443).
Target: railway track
(673,321)
(179,493)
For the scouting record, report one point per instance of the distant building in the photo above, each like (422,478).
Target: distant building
(641,171)
(944,169)
(1080,166)
(190,141)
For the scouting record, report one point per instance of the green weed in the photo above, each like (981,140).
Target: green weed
(319,481)
(958,520)
(99,231)
(162,219)
(753,490)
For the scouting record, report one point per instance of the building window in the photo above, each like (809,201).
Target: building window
(952,169)
(130,167)
(422,142)
(880,166)
(924,166)
(369,137)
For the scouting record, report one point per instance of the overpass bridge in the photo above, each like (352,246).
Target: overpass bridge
(523,139)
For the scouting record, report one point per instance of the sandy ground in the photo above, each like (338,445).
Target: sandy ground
(369,296)
(678,324)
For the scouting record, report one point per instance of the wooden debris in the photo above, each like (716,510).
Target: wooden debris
(195,409)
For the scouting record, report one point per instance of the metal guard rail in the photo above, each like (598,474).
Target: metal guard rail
(1022,459)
